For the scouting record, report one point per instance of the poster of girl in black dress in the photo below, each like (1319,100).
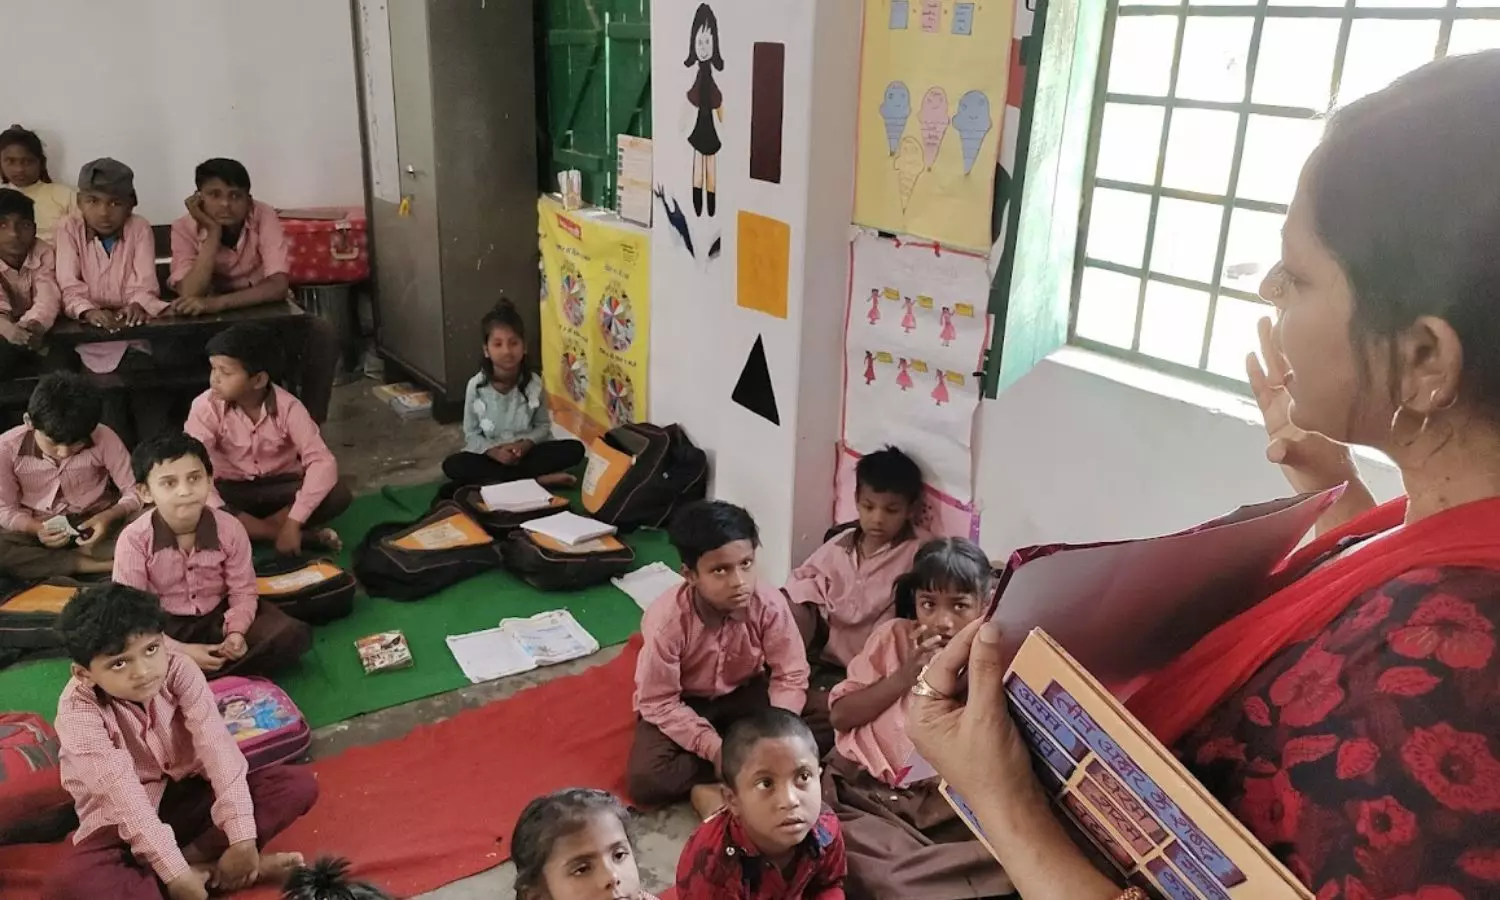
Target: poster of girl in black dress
(703,52)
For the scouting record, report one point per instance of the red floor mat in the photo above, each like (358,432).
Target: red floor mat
(438,805)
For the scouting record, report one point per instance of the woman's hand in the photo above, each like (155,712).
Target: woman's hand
(1310,461)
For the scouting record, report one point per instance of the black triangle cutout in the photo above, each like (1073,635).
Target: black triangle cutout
(753,391)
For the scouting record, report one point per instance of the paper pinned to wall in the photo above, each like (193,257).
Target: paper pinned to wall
(916,334)
(380,100)
(765,247)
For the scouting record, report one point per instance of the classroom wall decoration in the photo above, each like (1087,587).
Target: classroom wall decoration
(705,57)
(765,247)
(596,318)
(754,390)
(914,337)
(767,97)
(931,110)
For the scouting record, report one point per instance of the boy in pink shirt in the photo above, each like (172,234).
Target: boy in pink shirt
(197,560)
(274,471)
(166,805)
(229,252)
(708,646)
(29,296)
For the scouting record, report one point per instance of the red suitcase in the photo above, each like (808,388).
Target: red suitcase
(326,245)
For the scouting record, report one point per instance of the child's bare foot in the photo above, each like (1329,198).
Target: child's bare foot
(323,539)
(707,799)
(275,868)
(557,479)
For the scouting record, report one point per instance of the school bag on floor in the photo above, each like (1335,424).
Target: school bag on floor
(548,564)
(501,523)
(263,720)
(638,475)
(34,808)
(28,618)
(401,561)
(315,592)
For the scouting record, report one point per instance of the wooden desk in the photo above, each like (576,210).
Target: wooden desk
(69,333)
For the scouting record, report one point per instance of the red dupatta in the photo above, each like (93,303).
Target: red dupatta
(1180,696)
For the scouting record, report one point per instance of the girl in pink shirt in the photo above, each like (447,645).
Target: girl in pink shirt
(907,841)
(576,844)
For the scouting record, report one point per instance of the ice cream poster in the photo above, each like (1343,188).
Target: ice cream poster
(931,109)
(915,335)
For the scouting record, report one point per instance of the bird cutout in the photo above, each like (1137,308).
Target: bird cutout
(909,317)
(716,248)
(949,332)
(676,219)
(933,118)
(895,109)
(940,393)
(903,377)
(909,167)
(874,314)
(972,122)
(869,367)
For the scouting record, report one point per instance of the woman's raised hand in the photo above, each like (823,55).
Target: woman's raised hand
(1310,461)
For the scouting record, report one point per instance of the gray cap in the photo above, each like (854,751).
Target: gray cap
(109,177)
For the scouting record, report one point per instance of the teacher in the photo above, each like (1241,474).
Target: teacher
(1351,719)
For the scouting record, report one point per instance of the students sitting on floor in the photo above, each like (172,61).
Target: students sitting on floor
(274,471)
(165,804)
(229,252)
(29,296)
(843,591)
(23,167)
(62,464)
(197,560)
(507,428)
(707,647)
(576,844)
(775,840)
(907,842)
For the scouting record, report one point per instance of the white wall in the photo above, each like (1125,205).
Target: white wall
(164,84)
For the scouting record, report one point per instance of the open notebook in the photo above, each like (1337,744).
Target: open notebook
(520,645)
(1127,800)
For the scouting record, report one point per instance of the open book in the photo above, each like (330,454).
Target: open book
(1129,803)
(520,645)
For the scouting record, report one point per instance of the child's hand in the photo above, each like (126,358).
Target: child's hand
(521,448)
(101,318)
(289,538)
(238,867)
(34,333)
(13,333)
(93,531)
(234,646)
(53,540)
(190,885)
(194,204)
(194,306)
(205,656)
(924,643)
(505,454)
(134,314)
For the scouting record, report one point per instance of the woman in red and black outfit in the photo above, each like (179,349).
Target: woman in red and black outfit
(1352,718)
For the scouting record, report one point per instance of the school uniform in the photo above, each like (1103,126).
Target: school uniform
(901,842)
(263,465)
(722,862)
(52,201)
(108,275)
(699,671)
(492,418)
(29,295)
(150,779)
(209,591)
(258,252)
(34,486)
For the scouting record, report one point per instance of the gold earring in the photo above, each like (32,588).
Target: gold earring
(1395,422)
(1445,405)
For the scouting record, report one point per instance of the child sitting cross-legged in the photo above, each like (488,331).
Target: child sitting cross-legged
(774,840)
(165,804)
(197,560)
(273,469)
(907,841)
(576,844)
(708,646)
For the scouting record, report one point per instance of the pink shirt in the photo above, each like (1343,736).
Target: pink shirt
(285,441)
(191,582)
(91,279)
(34,285)
(33,486)
(854,595)
(117,758)
(880,747)
(693,651)
(260,252)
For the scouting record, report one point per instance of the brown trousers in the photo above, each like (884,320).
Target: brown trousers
(661,771)
(264,497)
(22,556)
(906,843)
(275,640)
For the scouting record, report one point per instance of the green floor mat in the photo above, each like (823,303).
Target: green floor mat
(330,686)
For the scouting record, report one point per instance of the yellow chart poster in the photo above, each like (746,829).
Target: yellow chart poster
(596,322)
(931,107)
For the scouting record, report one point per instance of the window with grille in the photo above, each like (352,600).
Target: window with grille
(1204,115)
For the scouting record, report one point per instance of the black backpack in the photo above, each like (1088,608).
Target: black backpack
(550,565)
(409,561)
(28,620)
(638,475)
(313,591)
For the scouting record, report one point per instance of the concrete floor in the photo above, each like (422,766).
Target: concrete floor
(376,448)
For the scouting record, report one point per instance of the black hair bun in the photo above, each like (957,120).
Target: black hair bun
(328,879)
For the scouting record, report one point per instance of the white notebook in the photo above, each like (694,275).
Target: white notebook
(515,496)
(647,583)
(520,645)
(569,527)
